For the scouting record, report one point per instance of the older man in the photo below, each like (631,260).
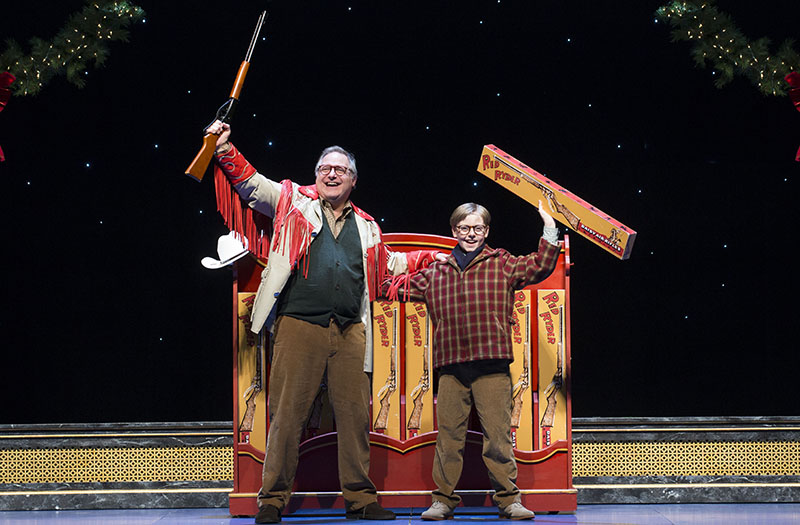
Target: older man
(325,263)
(470,298)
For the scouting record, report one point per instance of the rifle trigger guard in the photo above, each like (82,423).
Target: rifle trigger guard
(225,111)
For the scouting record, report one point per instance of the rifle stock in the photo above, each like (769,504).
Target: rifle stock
(382,421)
(557,207)
(550,393)
(550,411)
(415,419)
(249,414)
(199,165)
(385,393)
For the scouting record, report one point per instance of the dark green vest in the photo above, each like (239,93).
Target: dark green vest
(335,280)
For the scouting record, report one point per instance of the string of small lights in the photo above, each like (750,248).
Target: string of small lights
(719,43)
(82,41)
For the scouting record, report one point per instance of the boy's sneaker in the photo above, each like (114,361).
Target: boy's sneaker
(516,511)
(437,512)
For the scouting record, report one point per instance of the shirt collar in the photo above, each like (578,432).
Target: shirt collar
(348,207)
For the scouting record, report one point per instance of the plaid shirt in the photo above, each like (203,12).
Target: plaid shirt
(471,309)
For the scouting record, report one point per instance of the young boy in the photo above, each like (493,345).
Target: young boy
(470,298)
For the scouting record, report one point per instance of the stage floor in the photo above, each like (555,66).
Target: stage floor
(672,514)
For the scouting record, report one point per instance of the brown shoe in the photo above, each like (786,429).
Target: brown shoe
(268,514)
(373,511)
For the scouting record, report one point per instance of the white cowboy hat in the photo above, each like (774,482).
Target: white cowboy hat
(230,250)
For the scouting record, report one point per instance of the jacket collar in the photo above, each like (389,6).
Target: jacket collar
(484,254)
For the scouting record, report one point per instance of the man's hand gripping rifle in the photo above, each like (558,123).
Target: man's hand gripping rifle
(199,165)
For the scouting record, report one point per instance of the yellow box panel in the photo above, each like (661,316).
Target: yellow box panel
(552,351)
(418,376)
(386,369)
(250,379)
(523,373)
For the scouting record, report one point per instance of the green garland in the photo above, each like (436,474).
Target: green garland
(719,42)
(82,41)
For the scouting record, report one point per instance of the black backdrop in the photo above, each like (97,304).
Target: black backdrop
(109,315)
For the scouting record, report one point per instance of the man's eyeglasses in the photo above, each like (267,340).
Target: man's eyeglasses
(326,168)
(479,229)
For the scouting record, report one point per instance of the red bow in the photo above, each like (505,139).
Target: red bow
(6,79)
(793,79)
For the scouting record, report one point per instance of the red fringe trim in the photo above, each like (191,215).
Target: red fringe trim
(292,229)
(397,282)
(240,220)
(381,269)
(377,269)
(417,260)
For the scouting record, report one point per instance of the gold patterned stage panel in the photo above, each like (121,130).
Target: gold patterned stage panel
(199,463)
(714,458)
(110,465)
(191,464)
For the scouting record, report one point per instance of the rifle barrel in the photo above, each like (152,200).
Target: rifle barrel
(260,22)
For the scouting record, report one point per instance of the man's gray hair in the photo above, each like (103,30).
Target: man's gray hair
(338,149)
(468,208)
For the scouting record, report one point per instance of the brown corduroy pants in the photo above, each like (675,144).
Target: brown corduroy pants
(492,395)
(300,355)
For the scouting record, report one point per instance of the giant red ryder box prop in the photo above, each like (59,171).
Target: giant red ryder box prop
(404,403)
(565,207)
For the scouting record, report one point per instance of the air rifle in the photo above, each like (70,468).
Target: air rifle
(524,378)
(552,390)
(386,391)
(253,390)
(199,165)
(418,393)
